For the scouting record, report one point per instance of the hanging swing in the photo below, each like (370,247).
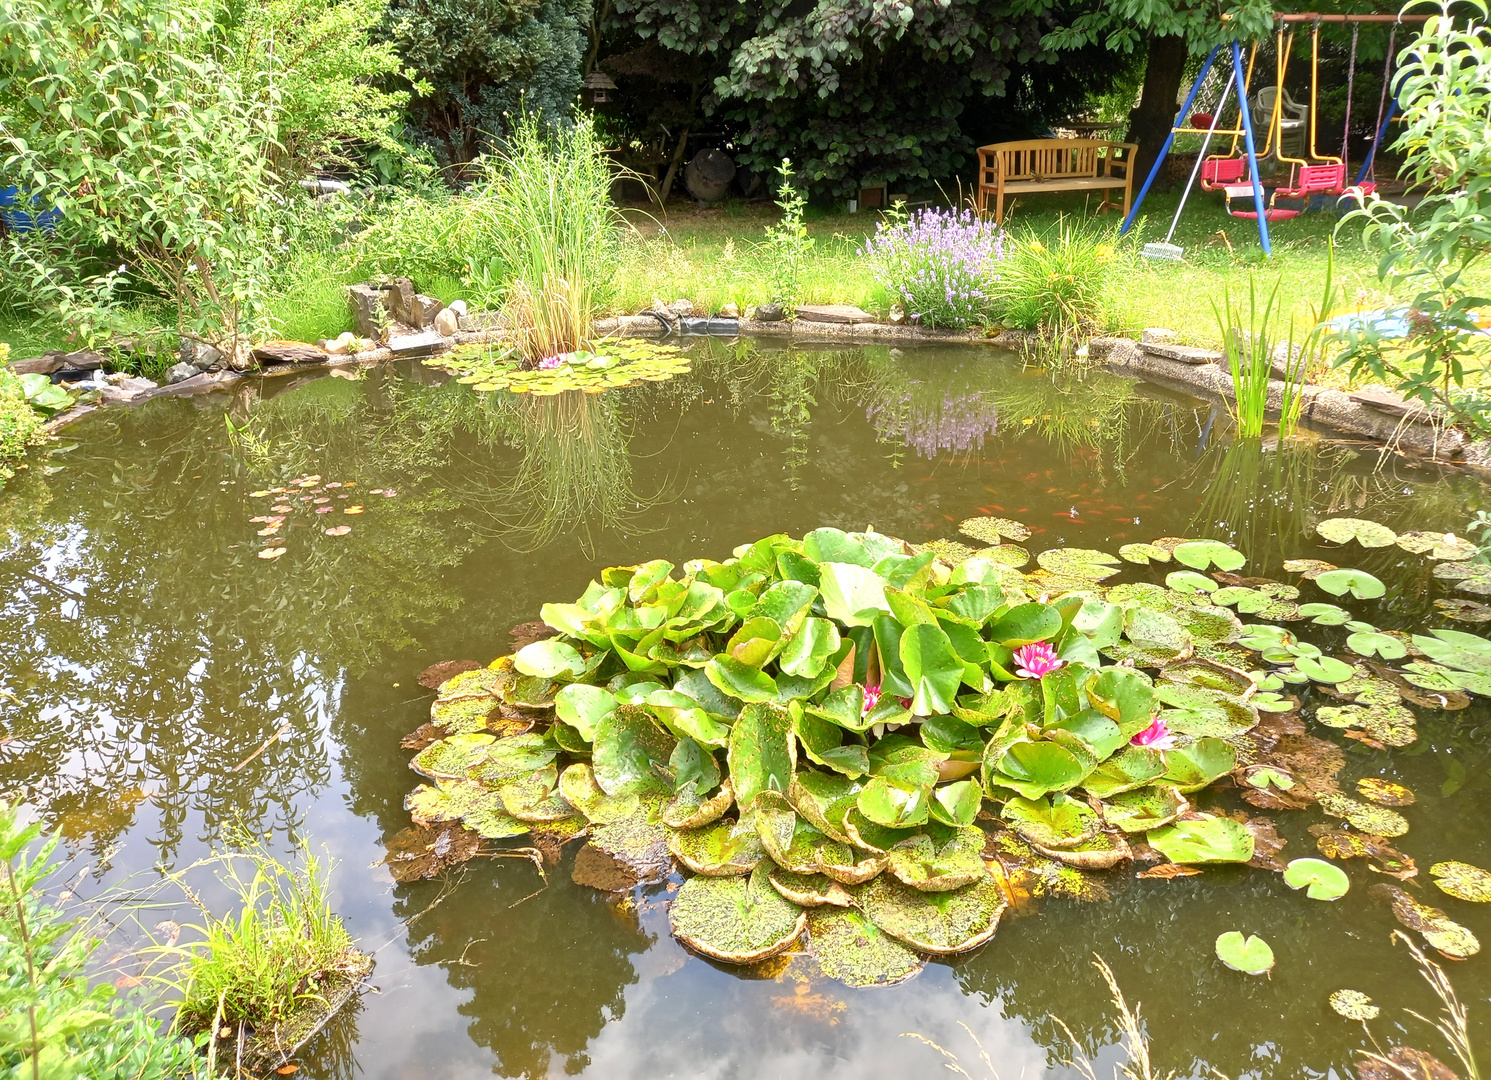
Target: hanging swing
(1327,175)
(1273,141)
(1221,170)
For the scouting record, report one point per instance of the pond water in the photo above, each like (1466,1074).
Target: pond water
(149,653)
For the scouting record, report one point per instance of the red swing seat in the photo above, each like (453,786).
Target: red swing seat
(1220,172)
(1316,180)
(1245,191)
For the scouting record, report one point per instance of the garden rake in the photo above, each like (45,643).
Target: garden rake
(1165,249)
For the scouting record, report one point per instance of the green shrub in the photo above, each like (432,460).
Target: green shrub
(1055,282)
(21,426)
(52,1023)
(788,244)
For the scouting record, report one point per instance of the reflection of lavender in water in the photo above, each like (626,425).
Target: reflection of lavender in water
(959,423)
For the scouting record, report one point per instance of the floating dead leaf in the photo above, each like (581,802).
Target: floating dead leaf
(1464,610)
(339,530)
(1437,928)
(271,553)
(1312,763)
(422,851)
(1404,1063)
(1354,1005)
(351,509)
(422,737)
(325,509)
(1338,843)
(389,493)
(282,508)
(259,494)
(269,530)
(1267,843)
(1384,792)
(334,484)
(436,674)
(286,1070)
(1430,699)
(526,633)
(321,500)
(1462,881)
(1170,870)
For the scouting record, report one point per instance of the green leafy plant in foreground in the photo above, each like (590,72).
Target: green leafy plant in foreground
(788,244)
(52,1023)
(21,426)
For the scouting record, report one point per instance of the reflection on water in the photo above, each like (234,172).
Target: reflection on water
(149,654)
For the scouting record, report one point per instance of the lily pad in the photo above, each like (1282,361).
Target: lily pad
(1320,880)
(1468,611)
(926,864)
(1376,820)
(788,839)
(1054,822)
(1200,554)
(689,810)
(1369,534)
(810,890)
(1323,669)
(1437,545)
(1204,839)
(577,785)
(1144,808)
(1193,767)
(1310,568)
(1103,851)
(1358,583)
(1143,553)
(942,923)
(856,952)
(739,920)
(1250,955)
(1084,563)
(1325,614)
(1376,644)
(1354,1005)
(1384,792)
(1462,881)
(994,530)
(1437,928)
(1189,581)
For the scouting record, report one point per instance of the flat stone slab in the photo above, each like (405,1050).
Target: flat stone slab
(412,344)
(833,313)
(1385,401)
(1185,354)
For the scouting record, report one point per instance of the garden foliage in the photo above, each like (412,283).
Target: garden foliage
(939,264)
(21,426)
(1056,280)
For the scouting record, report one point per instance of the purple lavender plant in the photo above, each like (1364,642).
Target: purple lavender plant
(939,264)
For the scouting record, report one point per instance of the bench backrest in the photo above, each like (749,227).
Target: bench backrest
(1048,158)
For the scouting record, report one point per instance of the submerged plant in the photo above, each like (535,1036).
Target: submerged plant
(940,264)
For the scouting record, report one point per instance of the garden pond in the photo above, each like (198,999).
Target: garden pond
(193,656)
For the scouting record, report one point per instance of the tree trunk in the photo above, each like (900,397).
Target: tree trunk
(1150,122)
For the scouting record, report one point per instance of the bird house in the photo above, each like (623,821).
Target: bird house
(597,86)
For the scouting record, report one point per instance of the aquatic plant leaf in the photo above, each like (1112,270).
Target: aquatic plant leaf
(1251,955)
(464,715)
(1143,553)
(1354,1005)
(682,717)
(894,804)
(1320,880)
(762,752)
(1026,624)
(724,848)
(1369,534)
(933,668)
(1193,767)
(1143,809)
(958,803)
(1058,821)
(691,810)
(932,865)
(824,799)
(1375,644)
(1084,563)
(856,952)
(810,890)
(1358,583)
(1038,768)
(1200,554)
(1377,820)
(824,743)
(1203,839)
(1464,610)
(852,595)
(454,757)
(582,707)
(1143,594)
(1005,555)
(1384,792)
(740,680)
(1436,545)
(1189,581)
(1437,928)
(846,864)
(631,752)
(1210,675)
(994,530)
(1310,568)
(1462,881)
(941,923)
(640,840)
(1325,614)
(810,647)
(549,659)
(577,785)
(424,852)
(1323,669)
(739,920)
(1157,634)
(1133,768)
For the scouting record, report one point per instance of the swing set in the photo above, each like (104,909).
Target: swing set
(1312,175)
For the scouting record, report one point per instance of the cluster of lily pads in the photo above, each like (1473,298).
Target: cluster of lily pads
(314,496)
(882,745)
(621,363)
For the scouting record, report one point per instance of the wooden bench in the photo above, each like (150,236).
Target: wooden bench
(1054,165)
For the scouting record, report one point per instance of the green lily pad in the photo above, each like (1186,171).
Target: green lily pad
(1251,955)
(1320,880)
(1058,821)
(1325,614)
(1436,545)
(847,864)
(453,758)
(1210,675)
(689,810)
(739,920)
(578,787)
(958,803)
(762,752)
(1084,563)
(1323,669)
(639,841)
(1010,555)
(1209,626)
(788,839)
(1144,808)
(1037,768)
(1369,534)
(724,849)
(1193,767)
(1206,839)
(856,952)
(1143,553)
(463,715)
(926,864)
(810,890)
(1188,581)
(1358,583)
(1102,851)
(1376,644)
(1201,554)
(1462,881)
(994,530)
(631,752)
(1354,1005)
(942,923)
(1143,594)
(824,799)
(1377,820)
(1131,768)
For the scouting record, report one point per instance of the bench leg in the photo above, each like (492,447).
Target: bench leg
(999,206)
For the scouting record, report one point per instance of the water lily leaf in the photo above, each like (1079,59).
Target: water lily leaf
(549,659)
(930,865)
(630,752)
(852,595)
(1436,545)
(1026,624)
(856,952)
(1325,614)
(1376,820)
(724,848)
(1320,880)
(740,680)
(1464,610)
(755,642)
(810,890)
(1354,1005)
(1193,767)
(1358,583)
(824,743)
(1154,634)
(762,752)
(1210,675)
(993,530)
(1204,839)
(740,920)
(1143,594)
(1143,553)
(1252,956)
(824,799)
(958,803)
(1462,881)
(1310,568)
(941,923)
(1200,554)
(1055,822)
(933,669)
(577,785)
(1038,768)
(1369,534)
(1375,644)
(894,804)
(1437,928)
(1323,669)
(789,840)
(1384,792)
(847,864)
(1083,563)
(808,650)
(1188,581)
(1143,809)
(1135,767)
(692,810)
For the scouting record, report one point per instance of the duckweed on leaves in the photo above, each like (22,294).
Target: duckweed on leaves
(1462,881)
(1354,1005)
(811,729)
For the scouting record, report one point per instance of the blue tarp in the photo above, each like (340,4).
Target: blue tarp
(22,217)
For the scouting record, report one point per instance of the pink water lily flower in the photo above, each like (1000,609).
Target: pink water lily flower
(1157,737)
(872,698)
(1036,661)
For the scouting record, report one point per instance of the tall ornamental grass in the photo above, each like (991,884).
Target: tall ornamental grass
(555,232)
(1055,282)
(938,264)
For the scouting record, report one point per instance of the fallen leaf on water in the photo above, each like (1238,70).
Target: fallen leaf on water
(339,530)
(349,483)
(1169,870)
(282,508)
(286,1070)
(322,500)
(375,491)
(433,676)
(389,493)
(258,520)
(335,484)
(351,509)
(325,509)
(271,553)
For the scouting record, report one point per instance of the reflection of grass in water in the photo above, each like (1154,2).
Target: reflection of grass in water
(1258,498)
